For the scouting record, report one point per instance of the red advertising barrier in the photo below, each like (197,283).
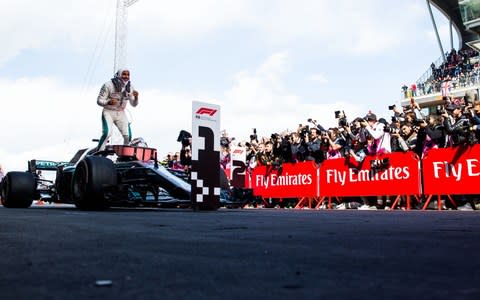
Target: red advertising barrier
(452,171)
(446,171)
(396,173)
(289,181)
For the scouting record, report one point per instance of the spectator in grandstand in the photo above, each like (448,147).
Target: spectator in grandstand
(404,90)
(421,88)
(113,97)
(413,87)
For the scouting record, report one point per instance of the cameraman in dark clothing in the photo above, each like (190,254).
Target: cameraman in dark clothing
(297,147)
(282,148)
(407,137)
(316,145)
(475,118)
(431,134)
(459,133)
(458,128)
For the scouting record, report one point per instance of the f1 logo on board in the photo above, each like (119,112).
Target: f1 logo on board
(238,151)
(206,111)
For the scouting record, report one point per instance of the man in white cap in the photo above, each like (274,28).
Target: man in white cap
(113,97)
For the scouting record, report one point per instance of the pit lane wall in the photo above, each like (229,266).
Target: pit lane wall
(446,171)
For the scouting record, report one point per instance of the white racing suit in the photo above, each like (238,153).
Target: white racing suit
(115,114)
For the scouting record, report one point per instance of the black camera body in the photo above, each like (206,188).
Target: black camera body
(380,164)
(304,131)
(391,107)
(184,137)
(254,137)
(440,110)
(225,142)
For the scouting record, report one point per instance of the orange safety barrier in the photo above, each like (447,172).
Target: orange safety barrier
(408,201)
(309,202)
(439,201)
(326,199)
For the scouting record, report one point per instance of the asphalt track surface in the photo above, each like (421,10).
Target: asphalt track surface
(63,253)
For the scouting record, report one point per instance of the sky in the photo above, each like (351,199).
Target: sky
(269,64)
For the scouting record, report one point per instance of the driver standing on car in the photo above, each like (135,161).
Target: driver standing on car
(113,97)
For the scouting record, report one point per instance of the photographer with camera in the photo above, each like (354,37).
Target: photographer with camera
(474,113)
(282,150)
(265,156)
(431,134)
(381,139)
(297,145)
(378,142)
(407,137)
(316,144)
(356,140)
(457,125)
(336,144)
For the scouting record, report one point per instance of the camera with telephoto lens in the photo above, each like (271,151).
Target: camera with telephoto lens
(379,164)
(391,130)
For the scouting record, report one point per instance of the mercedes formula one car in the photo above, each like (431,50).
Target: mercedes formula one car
(121,175)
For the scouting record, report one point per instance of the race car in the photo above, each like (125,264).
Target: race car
(121,175)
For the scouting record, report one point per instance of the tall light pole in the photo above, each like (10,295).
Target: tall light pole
(121,34)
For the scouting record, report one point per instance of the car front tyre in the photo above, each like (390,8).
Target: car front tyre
(18,189)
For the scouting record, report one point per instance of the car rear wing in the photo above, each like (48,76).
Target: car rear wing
(48,165)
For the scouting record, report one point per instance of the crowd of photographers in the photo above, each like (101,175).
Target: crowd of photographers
(456,122)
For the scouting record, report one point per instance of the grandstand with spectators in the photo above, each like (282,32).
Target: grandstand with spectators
(457,71)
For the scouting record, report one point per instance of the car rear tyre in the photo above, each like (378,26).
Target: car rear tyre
(18,189)
(92,176)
